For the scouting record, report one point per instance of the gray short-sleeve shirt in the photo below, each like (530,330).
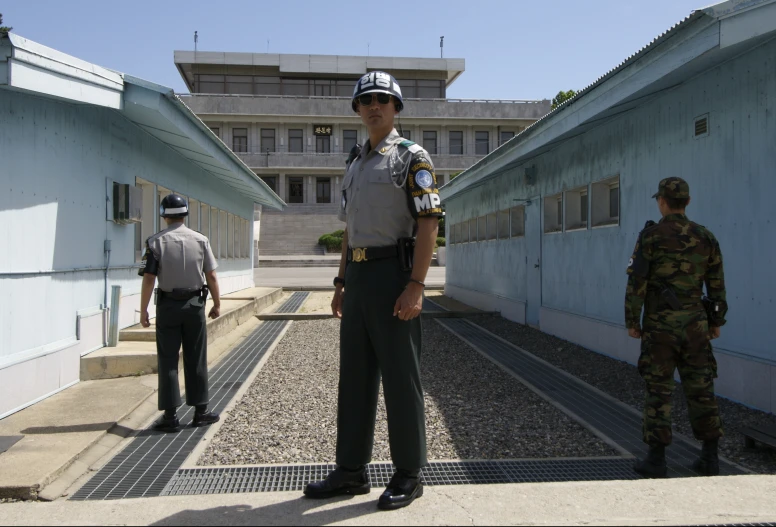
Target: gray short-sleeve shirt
(184,257)
(385,190)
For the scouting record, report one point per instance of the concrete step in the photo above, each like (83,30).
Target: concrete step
(136,352)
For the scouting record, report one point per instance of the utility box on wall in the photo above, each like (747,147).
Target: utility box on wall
(127,204)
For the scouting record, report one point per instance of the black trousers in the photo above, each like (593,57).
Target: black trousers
(375,344)
(181,322)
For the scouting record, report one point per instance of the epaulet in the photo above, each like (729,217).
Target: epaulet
(413,147)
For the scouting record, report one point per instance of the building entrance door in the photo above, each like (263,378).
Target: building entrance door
(533,242)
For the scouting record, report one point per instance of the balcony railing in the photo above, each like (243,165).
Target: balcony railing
(320,160)
(314,106)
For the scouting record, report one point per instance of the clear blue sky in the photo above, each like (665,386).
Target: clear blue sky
(514,49)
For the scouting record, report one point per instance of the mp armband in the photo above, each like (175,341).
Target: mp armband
(150,264)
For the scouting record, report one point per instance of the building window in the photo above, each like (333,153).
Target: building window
(517,221)
(209,84)
(482,228)
(204,219)
(266,85)
(272,182)
(240,140)
(492,226)
(239,84)
(323,190)
(429,89)
(505,136)
(323,144)
(215,233)
(295,141)
(295,190)
(349,140)
(145,229)
(456,143)
(605,202)
(216,131)
(267,139)
(503,224)
(430,141)
(482,143)
(223,232)
(407,134)
(300,87)
(553,213)
(576,208)
(192,220)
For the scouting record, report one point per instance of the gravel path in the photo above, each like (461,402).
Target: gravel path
(622,381)
(289,413)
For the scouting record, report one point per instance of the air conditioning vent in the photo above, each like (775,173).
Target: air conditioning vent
(702,126)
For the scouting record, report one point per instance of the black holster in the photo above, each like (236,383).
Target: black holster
(406,253)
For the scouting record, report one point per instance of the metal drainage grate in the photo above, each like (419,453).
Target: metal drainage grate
(612,419)
(293,303)
(234,480)
(148,463)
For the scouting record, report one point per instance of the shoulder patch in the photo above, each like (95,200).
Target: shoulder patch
(407,143)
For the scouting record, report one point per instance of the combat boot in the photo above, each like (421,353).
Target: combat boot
(708,463)
(654,466)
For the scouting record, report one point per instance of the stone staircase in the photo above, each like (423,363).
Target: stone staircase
(296,230)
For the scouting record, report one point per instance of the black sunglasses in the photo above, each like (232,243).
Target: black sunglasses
(366,99)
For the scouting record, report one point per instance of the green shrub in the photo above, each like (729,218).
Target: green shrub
(332,241)
(440,242)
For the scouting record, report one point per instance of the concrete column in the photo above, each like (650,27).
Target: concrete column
(468,141)
(444,141)
(282,187)
(254,138)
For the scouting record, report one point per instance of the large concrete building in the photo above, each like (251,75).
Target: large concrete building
(289,118)
(543,229)
(87,153)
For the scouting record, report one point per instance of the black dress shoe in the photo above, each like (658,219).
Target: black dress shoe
(400,492)
(204,419)
(339,482)
(168,424)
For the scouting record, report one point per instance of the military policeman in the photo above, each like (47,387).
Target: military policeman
(391,207)
(183,262)
(671,262)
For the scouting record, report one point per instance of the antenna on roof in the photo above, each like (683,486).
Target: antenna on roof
(368,45)
(441,47)
(196,38)
(267,45)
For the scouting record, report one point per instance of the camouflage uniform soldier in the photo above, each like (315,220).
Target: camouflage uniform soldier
(671,262)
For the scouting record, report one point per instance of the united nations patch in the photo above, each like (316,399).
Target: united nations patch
(424,179)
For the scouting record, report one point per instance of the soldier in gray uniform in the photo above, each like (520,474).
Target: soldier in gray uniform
(183,261)
(391,207)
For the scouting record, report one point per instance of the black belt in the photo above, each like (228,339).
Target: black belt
(181,294)
(364,254)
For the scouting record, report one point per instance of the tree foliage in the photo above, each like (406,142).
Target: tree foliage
(562,97)
(3,29)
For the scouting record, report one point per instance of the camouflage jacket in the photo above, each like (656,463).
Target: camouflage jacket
(677,253)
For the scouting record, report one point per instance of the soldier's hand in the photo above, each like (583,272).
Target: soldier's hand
(410,303)
(635,333)
(714,332)
(144,320)
(336,302)
(215,312)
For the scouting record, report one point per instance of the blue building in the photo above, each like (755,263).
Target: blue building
(86,153)
(542,228)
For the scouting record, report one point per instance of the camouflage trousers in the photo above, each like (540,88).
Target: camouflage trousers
(671,340)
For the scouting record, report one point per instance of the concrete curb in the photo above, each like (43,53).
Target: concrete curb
(112,363)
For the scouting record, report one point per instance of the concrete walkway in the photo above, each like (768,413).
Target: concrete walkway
(720,500)
(319,276)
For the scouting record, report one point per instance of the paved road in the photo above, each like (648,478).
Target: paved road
(318,276)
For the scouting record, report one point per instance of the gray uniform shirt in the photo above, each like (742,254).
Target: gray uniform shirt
(385,190)
(184,257)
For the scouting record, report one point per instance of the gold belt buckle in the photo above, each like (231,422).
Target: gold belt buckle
(359,254)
